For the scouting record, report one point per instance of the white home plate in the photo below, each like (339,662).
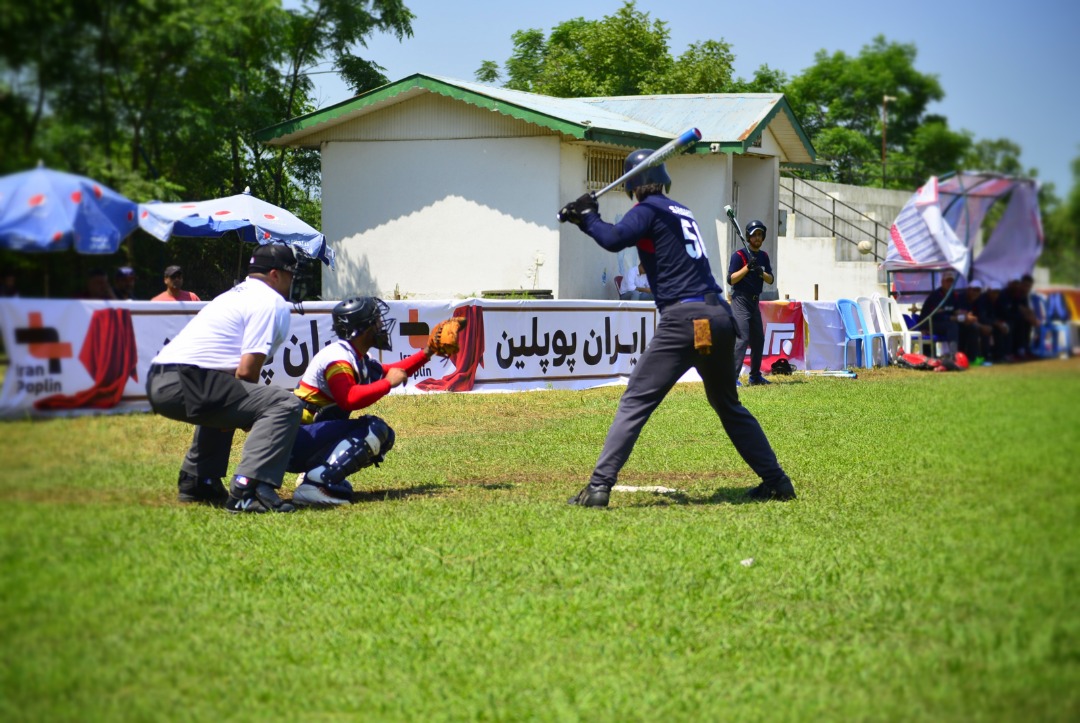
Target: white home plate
(652,488)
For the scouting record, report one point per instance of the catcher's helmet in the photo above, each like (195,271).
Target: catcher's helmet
(656,174)
(754,225)
(357,314)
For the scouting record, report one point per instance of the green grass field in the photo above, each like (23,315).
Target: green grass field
(926,572)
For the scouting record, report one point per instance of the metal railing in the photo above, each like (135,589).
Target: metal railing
(851,227)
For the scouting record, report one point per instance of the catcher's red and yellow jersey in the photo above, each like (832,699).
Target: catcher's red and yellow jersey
(335,359)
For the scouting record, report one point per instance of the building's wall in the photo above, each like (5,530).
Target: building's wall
(441,218)
(587,271)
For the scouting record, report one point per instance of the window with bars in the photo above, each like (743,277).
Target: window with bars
(603,168)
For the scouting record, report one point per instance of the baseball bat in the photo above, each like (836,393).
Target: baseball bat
(738,230)
(685,141)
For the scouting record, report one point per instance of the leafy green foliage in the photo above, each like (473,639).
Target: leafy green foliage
(161,100)
(918,575)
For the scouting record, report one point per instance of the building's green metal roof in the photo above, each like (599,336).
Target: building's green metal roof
(730,122)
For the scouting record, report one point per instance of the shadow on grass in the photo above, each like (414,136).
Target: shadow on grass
(720,496)
(397,493)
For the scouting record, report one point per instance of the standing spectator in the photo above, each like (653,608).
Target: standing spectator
(174,287)
(9,286)
(209,376)
(635,285)
(124,283)
(97,286)
(747,275)
(695,330)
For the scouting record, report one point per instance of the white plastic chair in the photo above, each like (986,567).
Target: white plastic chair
(879,323)
(913,341)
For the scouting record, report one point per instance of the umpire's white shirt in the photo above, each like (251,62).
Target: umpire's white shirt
(250,318)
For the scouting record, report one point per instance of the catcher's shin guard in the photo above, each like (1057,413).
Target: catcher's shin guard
(353,453)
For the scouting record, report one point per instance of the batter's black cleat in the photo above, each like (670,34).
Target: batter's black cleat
(782,490)
(592,495)
(756,381)
(251,495)
(208,490)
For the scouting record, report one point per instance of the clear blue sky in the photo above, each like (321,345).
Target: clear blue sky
(1008,69)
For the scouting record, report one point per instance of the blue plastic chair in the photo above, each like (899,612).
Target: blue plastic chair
(857,330)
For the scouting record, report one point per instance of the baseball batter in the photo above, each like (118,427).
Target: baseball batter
(747,274)
(695,330)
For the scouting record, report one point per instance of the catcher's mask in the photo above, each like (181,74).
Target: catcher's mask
(656,174)
(357,314)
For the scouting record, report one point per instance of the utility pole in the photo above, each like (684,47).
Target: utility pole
(884,123)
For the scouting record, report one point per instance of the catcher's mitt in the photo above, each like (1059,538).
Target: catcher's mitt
(443,340)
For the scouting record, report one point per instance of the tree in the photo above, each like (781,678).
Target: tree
(161,100)
(847,153)
(625,53)
(1062,226)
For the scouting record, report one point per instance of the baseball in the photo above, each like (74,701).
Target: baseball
(865,247)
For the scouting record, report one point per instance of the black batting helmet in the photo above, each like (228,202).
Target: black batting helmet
(656,174)
(357,314)
(753,226)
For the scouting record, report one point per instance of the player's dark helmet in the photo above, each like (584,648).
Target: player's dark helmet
(357,314)
(656,174)
(754,225)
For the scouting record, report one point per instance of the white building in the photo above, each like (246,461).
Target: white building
(440,188)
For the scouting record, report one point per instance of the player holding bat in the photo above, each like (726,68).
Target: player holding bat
(695,330)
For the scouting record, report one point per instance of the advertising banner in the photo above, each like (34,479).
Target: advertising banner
(77,357)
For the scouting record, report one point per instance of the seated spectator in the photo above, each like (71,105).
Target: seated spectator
(938,314)
(97,287)
(975,337)
(124,283)
(1014,309)
(986,308)
(635,285)
(174,287)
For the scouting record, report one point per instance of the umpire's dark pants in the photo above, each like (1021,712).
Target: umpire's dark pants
(218,403)
(748,332)
(670,354)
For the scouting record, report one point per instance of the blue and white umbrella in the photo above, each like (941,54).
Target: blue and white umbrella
(46,210)
(254,219)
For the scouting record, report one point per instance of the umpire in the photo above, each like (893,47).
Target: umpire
(209,376)
(747,274)
(695,330)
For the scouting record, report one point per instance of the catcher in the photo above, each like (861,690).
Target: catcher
(342,378)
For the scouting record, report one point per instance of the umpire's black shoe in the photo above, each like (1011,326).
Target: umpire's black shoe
(782,490)
(592,495)
(251,495)
(208,490)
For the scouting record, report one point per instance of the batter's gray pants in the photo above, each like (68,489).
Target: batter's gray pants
(272,414)
(748,328)
(669,355)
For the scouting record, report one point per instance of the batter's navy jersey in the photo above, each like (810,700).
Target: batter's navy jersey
(751,284)
(669,244)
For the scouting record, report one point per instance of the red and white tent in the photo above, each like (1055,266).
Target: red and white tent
(937,228)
